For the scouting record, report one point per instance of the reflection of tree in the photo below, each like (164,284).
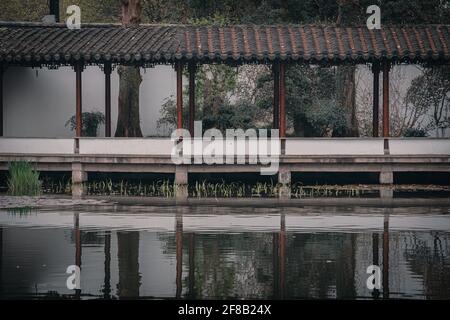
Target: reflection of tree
(318,264)
(128,256)
(225,265)
(430,258)
(247,265)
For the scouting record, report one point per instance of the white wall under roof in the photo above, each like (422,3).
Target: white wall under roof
(38,102)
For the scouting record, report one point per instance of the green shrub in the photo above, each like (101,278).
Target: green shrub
(23,180)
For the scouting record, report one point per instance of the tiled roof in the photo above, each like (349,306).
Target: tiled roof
(37,43)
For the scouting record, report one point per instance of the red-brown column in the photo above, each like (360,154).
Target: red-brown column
(282,100)
(386,69)
(108,71)
(276,95)
(376,98)
(1,100)
(78,115)
(179,70)
(192,68)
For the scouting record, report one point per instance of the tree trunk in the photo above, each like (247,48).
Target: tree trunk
(346,89)
(128,123)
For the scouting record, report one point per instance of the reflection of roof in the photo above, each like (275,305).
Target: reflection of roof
(98,43)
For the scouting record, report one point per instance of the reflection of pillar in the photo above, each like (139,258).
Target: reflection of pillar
(1,257)
(282,252)
(375,260)
(128,256)
(107,281)
(276,265)
(77,247)
(179,253)
(386,256)
(192,265)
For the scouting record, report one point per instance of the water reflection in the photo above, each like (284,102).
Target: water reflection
(284,261)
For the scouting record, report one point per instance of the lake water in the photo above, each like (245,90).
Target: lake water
(202,252)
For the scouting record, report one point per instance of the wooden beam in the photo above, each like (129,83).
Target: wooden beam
(192,69)
(282,100)
(179,70)
(79,109)
(276,95)
(1,100)
(108,71)
(376,98)
(386,68)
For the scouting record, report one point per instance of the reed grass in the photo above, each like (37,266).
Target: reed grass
(23,179)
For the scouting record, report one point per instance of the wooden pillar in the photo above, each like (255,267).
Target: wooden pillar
(282,100)
(376,98)
(179,71)
(276,95)
(179,254)
(386,68)
(79,109)
(192,69)
(108,71)
(1,100)
(54,9)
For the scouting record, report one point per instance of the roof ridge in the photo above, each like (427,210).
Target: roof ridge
(109,25)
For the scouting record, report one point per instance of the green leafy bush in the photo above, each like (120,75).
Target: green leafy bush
(23,180)
(90,120)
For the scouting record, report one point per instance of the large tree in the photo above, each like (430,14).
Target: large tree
(128,123)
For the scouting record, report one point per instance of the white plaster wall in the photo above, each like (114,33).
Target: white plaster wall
(37,146)
(320,146)
(128,146)
(38,102)
(419,146)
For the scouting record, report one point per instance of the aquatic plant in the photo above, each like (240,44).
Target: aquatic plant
(160,188)
(23,179)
